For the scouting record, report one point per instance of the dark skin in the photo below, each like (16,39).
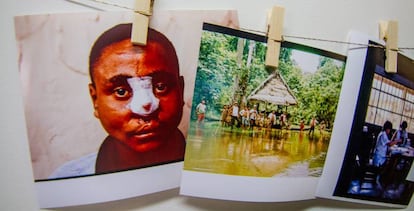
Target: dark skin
(135,141)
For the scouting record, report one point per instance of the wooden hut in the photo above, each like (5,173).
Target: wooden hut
(273,90)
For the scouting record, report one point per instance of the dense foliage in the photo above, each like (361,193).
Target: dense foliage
(223,79)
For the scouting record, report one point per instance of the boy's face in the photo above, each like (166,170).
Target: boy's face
(388,131)
(118,100)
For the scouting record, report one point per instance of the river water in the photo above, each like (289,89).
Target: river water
(261,153)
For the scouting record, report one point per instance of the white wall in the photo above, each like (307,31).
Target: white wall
(326,19)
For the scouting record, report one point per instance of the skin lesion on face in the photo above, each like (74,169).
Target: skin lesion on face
(143,101)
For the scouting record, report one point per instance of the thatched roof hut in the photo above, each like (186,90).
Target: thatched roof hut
(273,90)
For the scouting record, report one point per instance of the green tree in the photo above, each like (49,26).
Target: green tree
(218,68)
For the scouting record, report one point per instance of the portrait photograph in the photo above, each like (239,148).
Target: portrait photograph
(99,108)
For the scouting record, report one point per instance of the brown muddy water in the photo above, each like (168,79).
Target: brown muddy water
(259,152)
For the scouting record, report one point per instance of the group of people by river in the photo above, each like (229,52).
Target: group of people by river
(249,117)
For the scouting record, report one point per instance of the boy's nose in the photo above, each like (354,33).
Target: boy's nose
(143,101)
(147,106)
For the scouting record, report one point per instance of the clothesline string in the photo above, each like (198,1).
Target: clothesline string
(254,31)
(101,2)
(326,40)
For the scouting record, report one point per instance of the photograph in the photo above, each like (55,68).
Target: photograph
(379,155)
(253,121)
(137,95)
(102,110)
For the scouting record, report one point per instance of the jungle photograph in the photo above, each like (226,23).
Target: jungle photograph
(249,120)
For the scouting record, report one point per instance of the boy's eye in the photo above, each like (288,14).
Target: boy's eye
(160,88)
(121,92)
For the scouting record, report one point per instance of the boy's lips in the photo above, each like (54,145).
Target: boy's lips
(145,136)
(146,129)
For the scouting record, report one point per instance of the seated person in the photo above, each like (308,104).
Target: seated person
(382,144)
(401,135)
(137,94)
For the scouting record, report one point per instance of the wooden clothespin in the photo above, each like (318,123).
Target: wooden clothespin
(388,31)
(274,36)
(142,13)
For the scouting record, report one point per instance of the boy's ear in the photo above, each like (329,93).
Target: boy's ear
(92,93)
(181,81)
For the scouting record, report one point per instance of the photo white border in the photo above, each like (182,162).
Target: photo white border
(245,188)
(108,187)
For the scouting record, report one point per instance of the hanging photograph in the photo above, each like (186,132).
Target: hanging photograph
(107,119)
(376,147)
(254,128)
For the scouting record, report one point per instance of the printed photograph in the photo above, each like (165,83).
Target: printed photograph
(136,93)
(380,152)
(248,120)
(104,117)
